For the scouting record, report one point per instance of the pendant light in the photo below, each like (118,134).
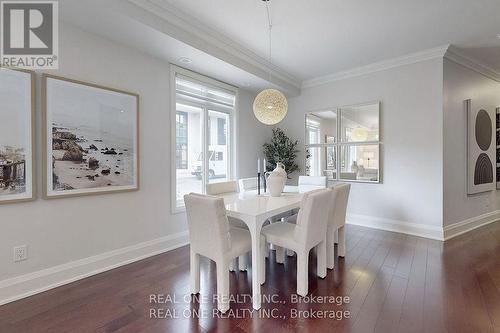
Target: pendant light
(270,106)
(359,134)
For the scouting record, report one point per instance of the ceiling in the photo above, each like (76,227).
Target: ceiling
(314,38)
(228,40)
(107,20)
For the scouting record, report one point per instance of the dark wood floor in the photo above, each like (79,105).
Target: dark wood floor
(394,282)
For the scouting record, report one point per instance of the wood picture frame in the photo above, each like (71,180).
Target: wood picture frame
(93,146)
(17,145)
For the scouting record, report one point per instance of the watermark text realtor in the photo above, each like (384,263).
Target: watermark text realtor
(29,36)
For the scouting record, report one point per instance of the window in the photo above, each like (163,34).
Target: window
(355,156)
(204,141)
(181,140)
(221,131)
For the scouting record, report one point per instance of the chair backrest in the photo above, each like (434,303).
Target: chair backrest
(340,200)
(208,225)
(309,183)
(313,217)
(248,184)
(223,187)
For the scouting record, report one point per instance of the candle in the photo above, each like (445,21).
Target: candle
(258,165)
(265,165)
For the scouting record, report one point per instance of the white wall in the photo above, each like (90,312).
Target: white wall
(61,231)
(411,132)
(250,135)
(461,83)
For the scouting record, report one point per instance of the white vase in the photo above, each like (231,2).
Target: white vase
(280,169)
(276,180)
(274,183)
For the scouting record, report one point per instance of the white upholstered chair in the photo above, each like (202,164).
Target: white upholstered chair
(211,236)
(308,232)
(306,184)
(248,184)
(309,183)
(230,187)
(336,224)
(222,187)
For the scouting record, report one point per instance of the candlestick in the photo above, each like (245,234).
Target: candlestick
(258,182)
(258,165)
(265,182)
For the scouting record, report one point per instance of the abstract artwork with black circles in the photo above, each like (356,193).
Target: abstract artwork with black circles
(483,172)
(483,130)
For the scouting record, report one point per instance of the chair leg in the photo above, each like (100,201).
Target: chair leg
(195,272)
(267,249)
(280,254)
(321,259)
(341,246)
(222,286)
(289,252)
(233,265)
(302,273)
(336,236)
(243,262)
(330,248)
(262,263)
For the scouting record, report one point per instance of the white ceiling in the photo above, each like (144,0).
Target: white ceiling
(228,39)
(317,37)
(105,19)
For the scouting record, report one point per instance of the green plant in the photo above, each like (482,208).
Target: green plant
(282,149)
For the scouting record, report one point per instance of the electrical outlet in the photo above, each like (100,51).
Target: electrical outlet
(20,253)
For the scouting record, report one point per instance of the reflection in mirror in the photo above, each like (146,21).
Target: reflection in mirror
(321,127)
(322,161)
(360,123)
(360,162)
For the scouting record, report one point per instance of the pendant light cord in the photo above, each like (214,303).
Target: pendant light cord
(270,25)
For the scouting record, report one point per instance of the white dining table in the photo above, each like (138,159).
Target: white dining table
(255,210)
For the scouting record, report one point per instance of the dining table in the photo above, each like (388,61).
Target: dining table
(255,209)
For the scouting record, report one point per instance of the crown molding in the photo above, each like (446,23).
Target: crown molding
(457,56)
(179,25)
(408,59)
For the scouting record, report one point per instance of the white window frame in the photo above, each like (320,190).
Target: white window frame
(231,129)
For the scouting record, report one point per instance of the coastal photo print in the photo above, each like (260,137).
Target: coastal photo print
(481,147)
(16,135)
(91,136)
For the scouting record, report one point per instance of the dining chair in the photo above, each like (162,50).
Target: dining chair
(336,224)
(308,232)
(248,184)
(308,183)
(230,187)
(211,236)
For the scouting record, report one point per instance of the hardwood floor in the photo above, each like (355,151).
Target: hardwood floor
(393,282)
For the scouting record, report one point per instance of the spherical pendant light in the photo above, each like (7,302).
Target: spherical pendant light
(359,134)
(270,106)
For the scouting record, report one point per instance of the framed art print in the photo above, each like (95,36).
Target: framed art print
(481,147)
(91,138)
(17,89)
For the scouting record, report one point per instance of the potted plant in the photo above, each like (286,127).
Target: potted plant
(281,149)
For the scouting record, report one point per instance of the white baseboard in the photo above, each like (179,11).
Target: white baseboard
(33,283)
(421,230)
(472,223)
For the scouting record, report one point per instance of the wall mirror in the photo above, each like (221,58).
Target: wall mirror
(343,143)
